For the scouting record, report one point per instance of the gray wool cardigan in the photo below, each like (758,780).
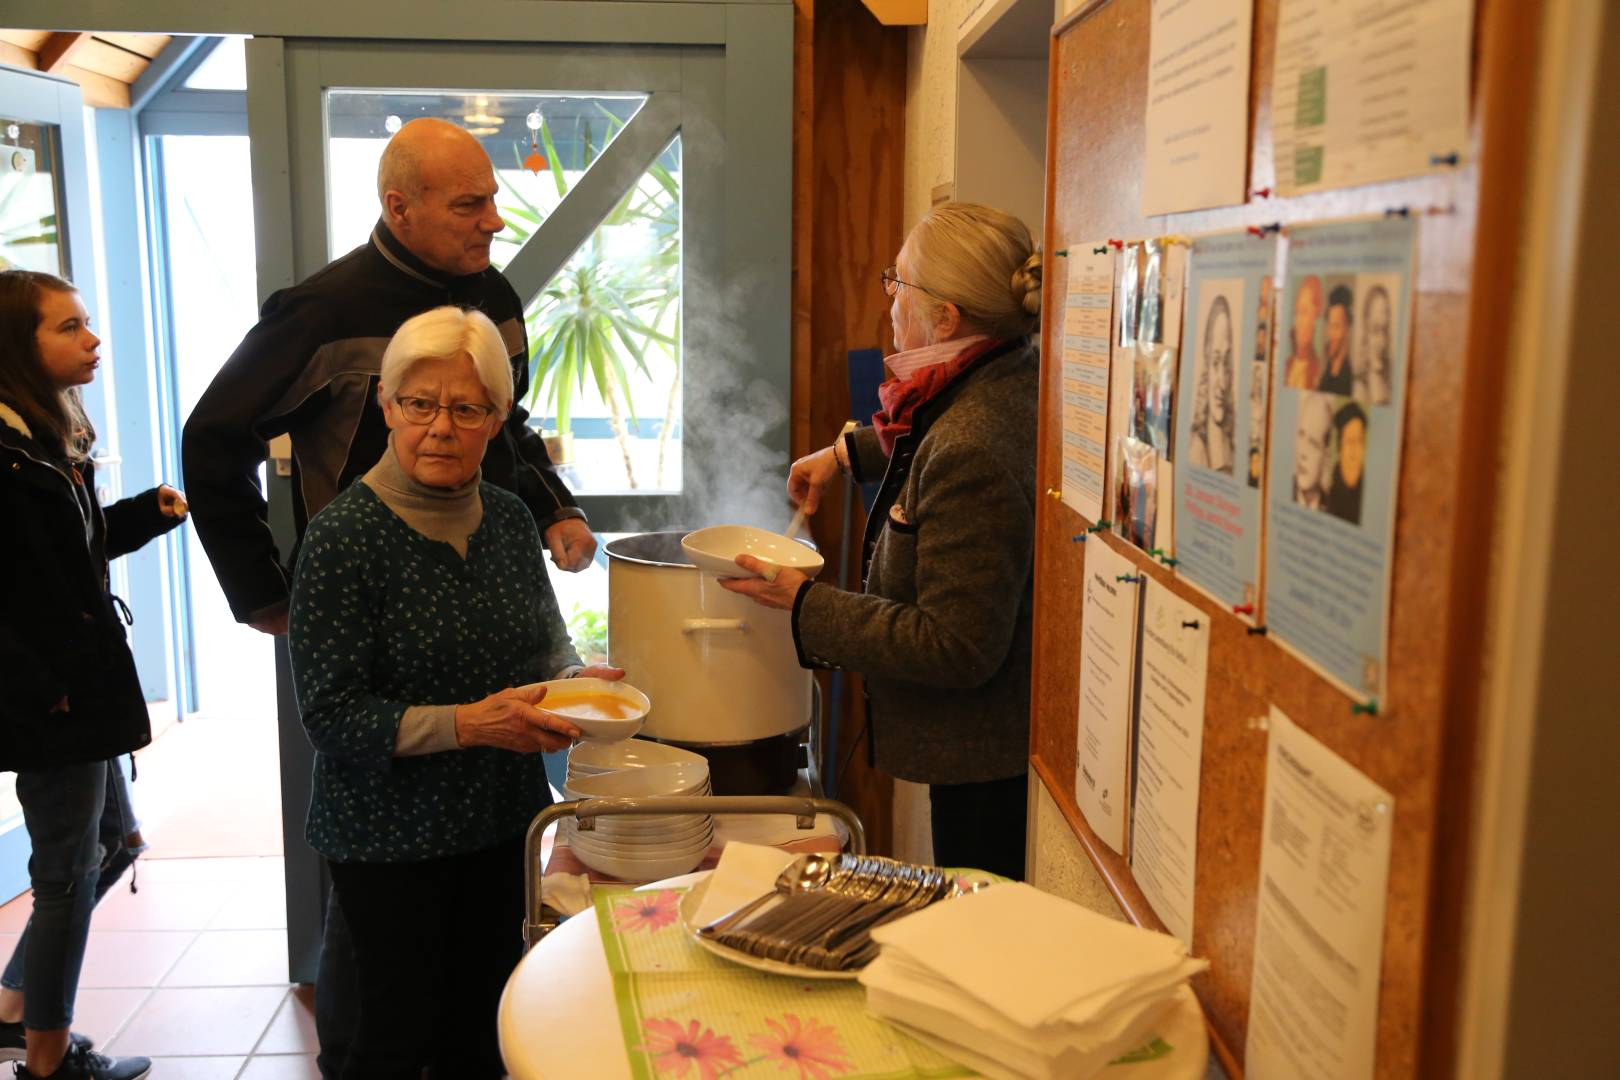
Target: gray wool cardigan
(941,629)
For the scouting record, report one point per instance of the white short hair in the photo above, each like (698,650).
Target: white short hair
(450,331)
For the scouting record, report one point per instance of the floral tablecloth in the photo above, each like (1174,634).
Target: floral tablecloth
(687,1015)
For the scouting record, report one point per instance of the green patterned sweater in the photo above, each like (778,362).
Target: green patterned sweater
(384,618)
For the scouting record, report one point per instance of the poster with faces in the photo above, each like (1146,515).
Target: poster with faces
(1343,324)
(1221,421)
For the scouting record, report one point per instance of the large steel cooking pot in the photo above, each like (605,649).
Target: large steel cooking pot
(720,669)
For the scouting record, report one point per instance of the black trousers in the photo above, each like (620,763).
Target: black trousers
(981,825)
(434,943)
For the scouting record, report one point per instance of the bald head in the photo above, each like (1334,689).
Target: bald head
(437,189)
(423,140)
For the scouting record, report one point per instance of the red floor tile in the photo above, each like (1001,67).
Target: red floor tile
(281,1067)
(132,958)
(163,905)
(233,958)
(201,1021)
(256,905)
(293,1029)
(196,1068)
(101,1014)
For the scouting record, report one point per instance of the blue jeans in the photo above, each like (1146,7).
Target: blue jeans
(118,821)
(62,811)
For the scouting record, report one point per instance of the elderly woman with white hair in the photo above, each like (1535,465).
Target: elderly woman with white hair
(421,611)
(941,631)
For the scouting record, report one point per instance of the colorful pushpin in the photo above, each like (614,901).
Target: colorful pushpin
(1444,159)
(1132,578)
(1369,708)
(1263,192)
(1243,609)
(1099,526)
(1078,538)
(1100,250)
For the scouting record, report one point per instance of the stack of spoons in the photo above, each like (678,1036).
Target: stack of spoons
(823,908)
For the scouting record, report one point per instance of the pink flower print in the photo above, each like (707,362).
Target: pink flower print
(811,1047)
(674,1050)
(646,911)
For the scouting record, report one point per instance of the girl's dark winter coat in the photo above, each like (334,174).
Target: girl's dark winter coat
(61,634)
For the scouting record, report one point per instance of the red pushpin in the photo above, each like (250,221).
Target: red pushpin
(1255,230)
(1117,245)
(1263,192)
(1243,609)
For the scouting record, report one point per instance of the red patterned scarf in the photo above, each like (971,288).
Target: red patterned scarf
(902,397)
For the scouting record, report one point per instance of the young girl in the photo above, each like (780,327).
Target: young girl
(72,700)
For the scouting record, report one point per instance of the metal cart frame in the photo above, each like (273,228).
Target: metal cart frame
(538,922)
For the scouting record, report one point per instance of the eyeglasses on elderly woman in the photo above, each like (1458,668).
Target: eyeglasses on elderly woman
(463,414)
(891,283)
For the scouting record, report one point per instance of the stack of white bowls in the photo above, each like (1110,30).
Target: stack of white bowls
(638,847)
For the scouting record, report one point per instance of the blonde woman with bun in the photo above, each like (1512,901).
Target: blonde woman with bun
(941,630)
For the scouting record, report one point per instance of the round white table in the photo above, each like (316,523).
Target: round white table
(559,1021)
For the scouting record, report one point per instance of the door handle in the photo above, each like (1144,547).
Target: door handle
(728,626)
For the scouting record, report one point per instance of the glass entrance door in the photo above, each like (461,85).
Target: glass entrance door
(656,307)
(45,226)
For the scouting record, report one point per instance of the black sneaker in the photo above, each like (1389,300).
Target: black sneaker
(82,1064)
(14,1044)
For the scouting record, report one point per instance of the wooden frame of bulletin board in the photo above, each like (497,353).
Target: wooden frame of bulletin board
(1421,746)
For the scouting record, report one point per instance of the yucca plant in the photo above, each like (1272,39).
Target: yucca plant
(599,317)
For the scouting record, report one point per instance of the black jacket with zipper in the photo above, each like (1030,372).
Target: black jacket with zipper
(61,636)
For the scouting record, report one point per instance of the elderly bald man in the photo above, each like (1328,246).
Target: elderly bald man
(309,370)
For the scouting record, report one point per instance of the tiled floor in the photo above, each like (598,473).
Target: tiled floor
(191,970)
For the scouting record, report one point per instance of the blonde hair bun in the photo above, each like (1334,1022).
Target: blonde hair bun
(1026,284)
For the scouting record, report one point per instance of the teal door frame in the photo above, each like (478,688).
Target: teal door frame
(35,98)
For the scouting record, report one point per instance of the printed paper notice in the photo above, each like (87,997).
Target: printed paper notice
(1319,929)
(1336,429)
(1221,426)
(1169,753)
(1087,321)
(1368,90)
(1107,668)
(1198,105)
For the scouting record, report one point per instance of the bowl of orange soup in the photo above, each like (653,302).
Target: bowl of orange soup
(604,711)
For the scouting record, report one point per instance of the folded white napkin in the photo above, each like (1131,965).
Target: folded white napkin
(1033,957)
(1180,1024)
(744,872)
(1052,1050)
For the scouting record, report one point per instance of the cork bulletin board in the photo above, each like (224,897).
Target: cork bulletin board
(1420,745)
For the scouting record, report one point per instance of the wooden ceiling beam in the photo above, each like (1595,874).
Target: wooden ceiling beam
(58,49)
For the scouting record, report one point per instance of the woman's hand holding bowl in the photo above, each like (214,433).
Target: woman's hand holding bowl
(508,719)
(778,590)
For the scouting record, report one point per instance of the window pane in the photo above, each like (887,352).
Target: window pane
(224,69)
(213,289)
(605,332)
(30,199)
(605,345)
(359,124)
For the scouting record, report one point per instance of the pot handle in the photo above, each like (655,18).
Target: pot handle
(694,626)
